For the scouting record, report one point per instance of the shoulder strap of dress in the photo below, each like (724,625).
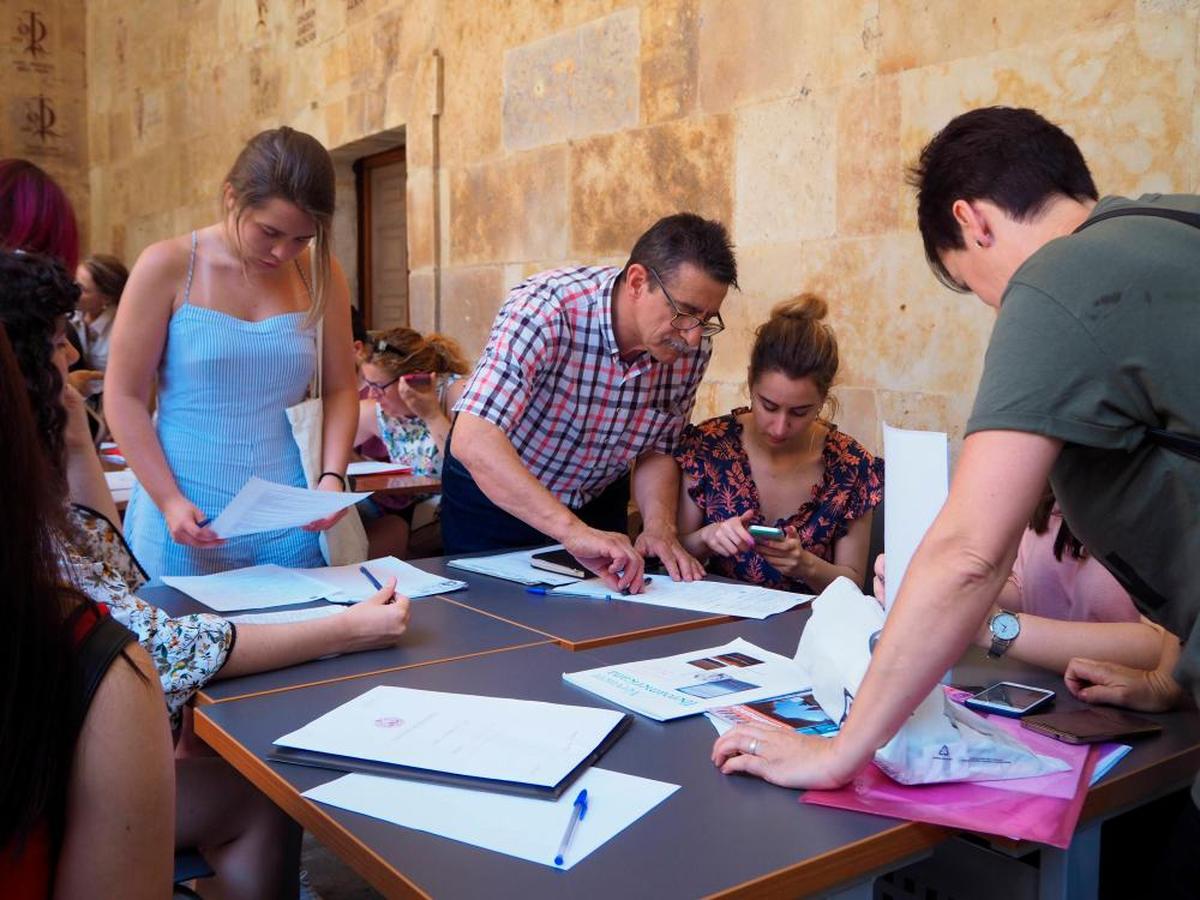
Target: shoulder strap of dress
(97,648)
(187,285)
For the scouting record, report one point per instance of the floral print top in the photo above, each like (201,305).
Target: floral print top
(409,441)
(720,482)
(187,651)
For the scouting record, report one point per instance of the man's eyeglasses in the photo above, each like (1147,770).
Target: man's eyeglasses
(375,386)
(684,321)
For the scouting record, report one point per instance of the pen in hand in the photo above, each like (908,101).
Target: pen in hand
(374,582)
(578,811)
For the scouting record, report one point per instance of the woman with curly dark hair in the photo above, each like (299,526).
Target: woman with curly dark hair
(85,745)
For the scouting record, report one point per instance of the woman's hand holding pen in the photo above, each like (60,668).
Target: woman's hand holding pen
(188,524)
(378,621)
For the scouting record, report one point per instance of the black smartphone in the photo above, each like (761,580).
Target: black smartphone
(1091,726)
(559,561)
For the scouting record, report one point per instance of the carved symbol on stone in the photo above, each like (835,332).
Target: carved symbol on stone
(264,7)
(40,118)
(33,32)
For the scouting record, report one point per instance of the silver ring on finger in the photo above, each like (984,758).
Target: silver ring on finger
(753,749)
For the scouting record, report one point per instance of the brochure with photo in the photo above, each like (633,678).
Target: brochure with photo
(691,683)
(798,711)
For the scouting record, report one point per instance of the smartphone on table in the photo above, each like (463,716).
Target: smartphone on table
(1091,726)
(1007,698)
(766,533)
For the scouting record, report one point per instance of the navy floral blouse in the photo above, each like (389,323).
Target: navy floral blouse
(720,482)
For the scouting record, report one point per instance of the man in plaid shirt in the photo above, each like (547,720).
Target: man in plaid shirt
(590,372)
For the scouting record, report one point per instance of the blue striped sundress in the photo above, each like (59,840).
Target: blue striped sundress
(224,385)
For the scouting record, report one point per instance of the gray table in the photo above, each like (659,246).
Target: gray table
(438,631)
(574,622)
(718,834)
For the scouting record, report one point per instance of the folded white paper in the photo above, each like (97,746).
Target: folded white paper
(288,616)
(347,584)
(918,479)
(254,587)
(524,827)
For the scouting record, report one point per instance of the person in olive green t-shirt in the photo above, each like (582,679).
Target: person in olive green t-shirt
(1095,342)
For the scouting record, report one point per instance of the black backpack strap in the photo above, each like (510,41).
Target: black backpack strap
(96,651)
(1176,215)
(1173,440)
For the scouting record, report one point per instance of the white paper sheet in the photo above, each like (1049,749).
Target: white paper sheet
(373,467)
(918,479)
(513,567)
(266,506)
(524,827)
(676,686)
(255,587)
(120,484)
(522,741)
(719,598)
(346,584)
(288,616)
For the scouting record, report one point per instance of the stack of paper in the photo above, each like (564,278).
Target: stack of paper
(372,467)
(349,585)
(690,683)
(514,566)
(717,597)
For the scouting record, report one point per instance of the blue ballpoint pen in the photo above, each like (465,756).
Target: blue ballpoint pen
(555,592)
(371,578)
(578,811)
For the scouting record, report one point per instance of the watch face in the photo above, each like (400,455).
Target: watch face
(1005,626)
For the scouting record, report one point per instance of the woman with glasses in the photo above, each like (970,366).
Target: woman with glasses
(778,463)
(412,383)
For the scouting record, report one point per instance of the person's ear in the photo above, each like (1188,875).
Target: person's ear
(637,278)
(974,223)
(228,197)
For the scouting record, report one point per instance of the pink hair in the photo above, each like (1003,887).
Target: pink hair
(35,214)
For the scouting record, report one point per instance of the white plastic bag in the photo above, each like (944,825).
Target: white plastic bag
(941,741)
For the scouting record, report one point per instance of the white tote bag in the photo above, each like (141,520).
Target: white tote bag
(346,542)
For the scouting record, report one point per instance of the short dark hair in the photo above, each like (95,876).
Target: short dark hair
(1011,157)
(686,238)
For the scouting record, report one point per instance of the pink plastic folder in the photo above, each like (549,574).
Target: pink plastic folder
(1044,809)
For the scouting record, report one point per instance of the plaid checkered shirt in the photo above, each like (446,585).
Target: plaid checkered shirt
(552,379)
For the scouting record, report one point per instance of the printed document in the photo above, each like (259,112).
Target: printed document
(120,484)
(255,587)
(749,601)
(519,741)
(514,566)
(918,479)
(524,827)
(676,686)
(266,506)
(347,584)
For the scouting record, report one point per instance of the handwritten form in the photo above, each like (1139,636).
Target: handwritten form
(266,506)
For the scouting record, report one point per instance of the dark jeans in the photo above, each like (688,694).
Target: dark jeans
(472,523)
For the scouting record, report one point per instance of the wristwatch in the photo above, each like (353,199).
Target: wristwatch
(1005,627)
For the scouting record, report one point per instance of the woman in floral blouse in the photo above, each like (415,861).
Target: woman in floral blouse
(778,463)
(412,383)
(188,651)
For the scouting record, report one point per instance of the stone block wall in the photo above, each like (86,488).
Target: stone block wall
(545,133)
(43,81)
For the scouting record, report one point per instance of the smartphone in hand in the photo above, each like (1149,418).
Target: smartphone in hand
(766,533)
